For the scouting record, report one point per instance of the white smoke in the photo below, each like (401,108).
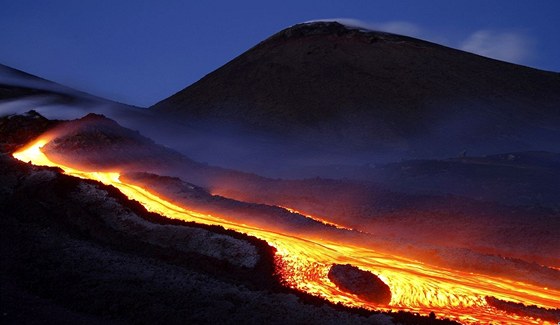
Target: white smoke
(12,77)
(507,46)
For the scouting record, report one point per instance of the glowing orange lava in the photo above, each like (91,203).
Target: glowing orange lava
(304,263)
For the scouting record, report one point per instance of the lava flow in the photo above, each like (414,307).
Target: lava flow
(304,263)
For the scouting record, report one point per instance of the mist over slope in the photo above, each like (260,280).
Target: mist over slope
(15,83)
(21,92)
(325,90)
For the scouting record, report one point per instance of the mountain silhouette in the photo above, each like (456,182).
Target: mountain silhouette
(341,89)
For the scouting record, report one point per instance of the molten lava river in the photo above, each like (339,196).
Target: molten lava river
(303,263)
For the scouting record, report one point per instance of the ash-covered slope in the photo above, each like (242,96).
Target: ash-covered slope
(342,89)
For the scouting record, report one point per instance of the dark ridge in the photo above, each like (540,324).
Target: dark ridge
(18,130)
(10,92)
(20,85)
(98,140)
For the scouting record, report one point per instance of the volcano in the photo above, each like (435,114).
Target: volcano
(339,90)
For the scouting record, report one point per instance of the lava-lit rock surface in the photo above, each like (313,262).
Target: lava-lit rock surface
(363,284)
(78,251)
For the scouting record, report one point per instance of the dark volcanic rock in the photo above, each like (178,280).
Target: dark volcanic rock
(363,284)
(18,130)
(550,315)
(95,140)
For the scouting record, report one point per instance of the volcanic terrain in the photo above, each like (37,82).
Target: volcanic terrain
(327,175)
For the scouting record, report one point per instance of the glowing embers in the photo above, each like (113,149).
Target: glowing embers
(304,263)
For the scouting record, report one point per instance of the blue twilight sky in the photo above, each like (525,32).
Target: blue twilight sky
(142,51)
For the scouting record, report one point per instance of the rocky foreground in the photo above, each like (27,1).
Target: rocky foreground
(76,251)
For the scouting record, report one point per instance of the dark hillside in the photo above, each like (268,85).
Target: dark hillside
(340,89)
